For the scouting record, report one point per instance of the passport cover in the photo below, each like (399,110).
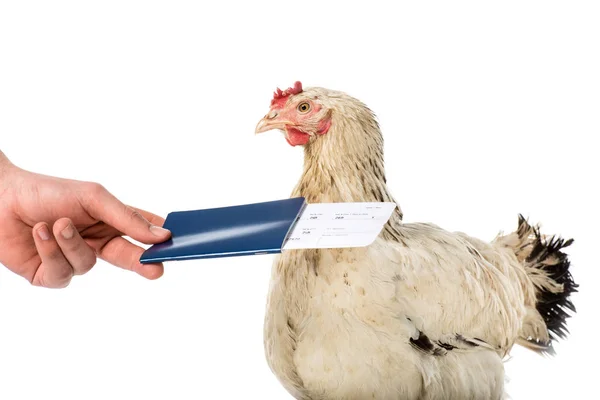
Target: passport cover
(259,228)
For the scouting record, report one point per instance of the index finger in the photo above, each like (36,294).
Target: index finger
(126,255)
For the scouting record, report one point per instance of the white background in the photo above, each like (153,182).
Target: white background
(487,110)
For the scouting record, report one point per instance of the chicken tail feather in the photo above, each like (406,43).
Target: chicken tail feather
(547,266)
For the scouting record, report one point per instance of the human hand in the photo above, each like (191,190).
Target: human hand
(52,229)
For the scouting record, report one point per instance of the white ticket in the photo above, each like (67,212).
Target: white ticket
(335,225)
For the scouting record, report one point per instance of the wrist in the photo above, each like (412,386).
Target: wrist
(5,167)
(4,163)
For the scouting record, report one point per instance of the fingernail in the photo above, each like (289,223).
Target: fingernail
(68,232)
(43,232)
(158,231)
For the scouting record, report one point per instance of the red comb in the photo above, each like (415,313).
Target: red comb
(280,97)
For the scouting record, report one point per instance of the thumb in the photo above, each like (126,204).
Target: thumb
(138,224)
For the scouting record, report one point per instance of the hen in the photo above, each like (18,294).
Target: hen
(422,313)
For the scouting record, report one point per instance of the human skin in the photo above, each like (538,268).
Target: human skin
(52,229)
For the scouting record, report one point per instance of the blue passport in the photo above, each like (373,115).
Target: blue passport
(250,229)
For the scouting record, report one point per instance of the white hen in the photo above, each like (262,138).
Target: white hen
(422,313)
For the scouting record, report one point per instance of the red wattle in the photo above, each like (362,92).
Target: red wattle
(295,137)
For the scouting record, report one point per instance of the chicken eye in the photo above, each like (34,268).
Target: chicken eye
(304,107)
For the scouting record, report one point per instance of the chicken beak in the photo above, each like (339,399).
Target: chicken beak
(270,122)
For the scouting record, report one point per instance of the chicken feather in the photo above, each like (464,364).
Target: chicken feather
(422,313)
